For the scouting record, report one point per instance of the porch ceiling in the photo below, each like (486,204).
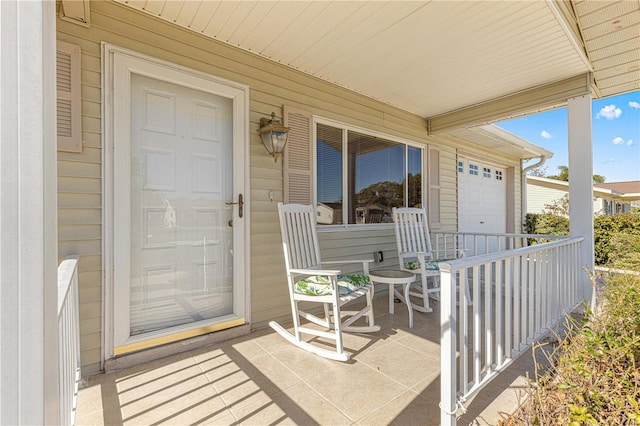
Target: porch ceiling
(430,57)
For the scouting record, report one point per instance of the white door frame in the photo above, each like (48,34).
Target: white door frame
(119,63)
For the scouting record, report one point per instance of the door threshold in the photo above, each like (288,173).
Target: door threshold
(140,357)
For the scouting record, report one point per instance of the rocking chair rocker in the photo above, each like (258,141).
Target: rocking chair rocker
(309,282)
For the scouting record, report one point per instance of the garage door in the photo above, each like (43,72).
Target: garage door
(482,201)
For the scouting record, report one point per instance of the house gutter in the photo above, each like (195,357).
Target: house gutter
(523,182)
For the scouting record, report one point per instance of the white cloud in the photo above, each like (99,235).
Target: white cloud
(634,104)
(618,141)
(610,112)
(630,142)
(609,161)
(546,134)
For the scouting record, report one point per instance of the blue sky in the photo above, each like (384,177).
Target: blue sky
(616,136)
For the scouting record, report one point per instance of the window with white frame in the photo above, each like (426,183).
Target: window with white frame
(498,174)
(361,177)
(473,169)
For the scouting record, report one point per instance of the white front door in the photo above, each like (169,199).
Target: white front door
(177,239)
(482,203)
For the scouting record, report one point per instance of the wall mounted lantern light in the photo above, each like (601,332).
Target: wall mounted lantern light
(274,135)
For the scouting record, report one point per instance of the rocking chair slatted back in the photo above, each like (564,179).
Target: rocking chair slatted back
(415,254)
(299,237)
(414,248)
(412,232)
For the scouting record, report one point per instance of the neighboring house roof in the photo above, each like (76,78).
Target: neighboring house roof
(624,188)
(610,191)
(455,63)
(563,185)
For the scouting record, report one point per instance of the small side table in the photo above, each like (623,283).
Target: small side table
(393,277)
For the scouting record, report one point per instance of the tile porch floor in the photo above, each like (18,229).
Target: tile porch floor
(261,379)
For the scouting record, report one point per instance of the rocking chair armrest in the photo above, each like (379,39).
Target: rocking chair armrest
(316,271)
(364,262)
(418,255)
(337,262)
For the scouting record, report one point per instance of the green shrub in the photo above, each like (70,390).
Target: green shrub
(605,226)
(595,373)
(552,224)
(625,251)
(545,223)
(530,221)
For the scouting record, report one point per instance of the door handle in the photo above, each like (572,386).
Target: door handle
(240,204)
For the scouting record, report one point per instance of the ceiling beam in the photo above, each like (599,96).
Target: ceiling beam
(540,98)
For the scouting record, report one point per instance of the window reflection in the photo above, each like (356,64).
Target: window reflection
(380,174)
(414,177)
(376,171)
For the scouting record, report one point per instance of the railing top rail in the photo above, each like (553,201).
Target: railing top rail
(466,262)
(498,234)
(66,270)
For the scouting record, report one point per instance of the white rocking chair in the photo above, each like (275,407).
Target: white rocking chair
(309,282)
(416,255)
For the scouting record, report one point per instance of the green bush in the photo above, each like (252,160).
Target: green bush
(545,223)
(622,251)
(530,221)
(595,373)
(625,251)
(605,227)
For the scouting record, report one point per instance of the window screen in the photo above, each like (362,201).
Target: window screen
(329,175)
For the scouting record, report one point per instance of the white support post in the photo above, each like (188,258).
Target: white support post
(581,182)
(28,214)
(448,328)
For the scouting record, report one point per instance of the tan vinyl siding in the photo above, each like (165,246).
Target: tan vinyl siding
(271,87)
(80,204)
(448,189)
(516,197)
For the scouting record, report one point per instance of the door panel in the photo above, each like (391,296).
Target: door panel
(181,157)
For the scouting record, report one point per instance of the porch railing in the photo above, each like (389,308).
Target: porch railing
(68,339)
(516,295)
(476,243)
